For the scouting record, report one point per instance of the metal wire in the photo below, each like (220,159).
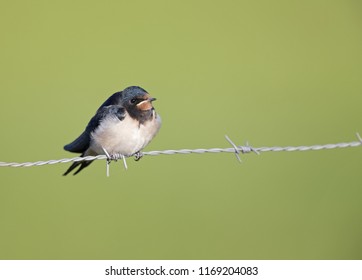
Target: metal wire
(234,149)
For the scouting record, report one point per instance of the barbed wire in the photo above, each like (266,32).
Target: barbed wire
(234,149)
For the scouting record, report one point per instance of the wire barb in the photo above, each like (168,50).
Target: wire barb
(108,161)
(236,149)
(114,157)
(124,162)
(359,137)
(252,149)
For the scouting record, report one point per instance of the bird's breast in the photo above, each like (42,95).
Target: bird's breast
(124,137)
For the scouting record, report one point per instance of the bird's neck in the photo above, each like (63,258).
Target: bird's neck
(143,116)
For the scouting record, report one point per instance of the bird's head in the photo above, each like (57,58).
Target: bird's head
(136,100)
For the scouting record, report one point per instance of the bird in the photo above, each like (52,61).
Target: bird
(123,125)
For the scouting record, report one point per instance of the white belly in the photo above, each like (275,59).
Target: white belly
(124,137)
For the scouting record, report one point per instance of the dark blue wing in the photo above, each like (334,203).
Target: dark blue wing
(114,99)
(81,144)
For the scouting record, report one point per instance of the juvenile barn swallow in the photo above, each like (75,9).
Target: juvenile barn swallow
(124,124)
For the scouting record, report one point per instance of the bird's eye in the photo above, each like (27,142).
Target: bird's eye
(133,100)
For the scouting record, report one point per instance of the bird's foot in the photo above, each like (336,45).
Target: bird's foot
(138,156)
(114,157)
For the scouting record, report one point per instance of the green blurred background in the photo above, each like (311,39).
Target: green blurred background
(273,73)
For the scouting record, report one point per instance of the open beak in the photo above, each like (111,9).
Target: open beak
(146,104)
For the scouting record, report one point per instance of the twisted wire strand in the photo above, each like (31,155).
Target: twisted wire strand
(234,149)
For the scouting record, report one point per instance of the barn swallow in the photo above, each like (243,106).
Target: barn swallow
(124,124)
